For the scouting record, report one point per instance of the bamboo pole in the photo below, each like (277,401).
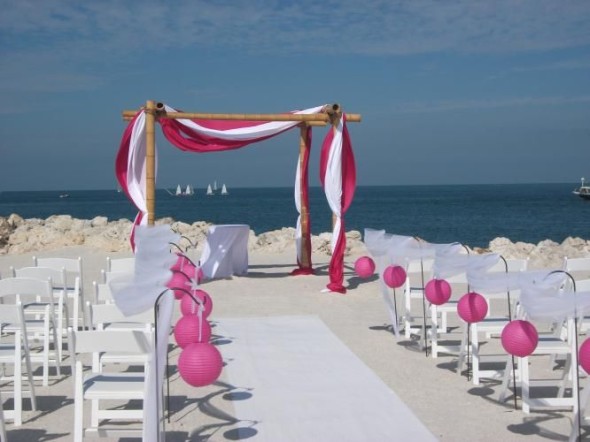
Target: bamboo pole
(305,261)
(150,173)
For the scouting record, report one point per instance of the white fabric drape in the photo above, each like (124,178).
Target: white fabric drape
(297,192)
(333,182)
(138,293)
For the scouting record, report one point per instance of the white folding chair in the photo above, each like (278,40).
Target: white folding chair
(43,323)
(418,274)
(124,265)
(97,386)
(439,317)
(59,283)
(75,282)
(109,317)
(492,326)
(15,353)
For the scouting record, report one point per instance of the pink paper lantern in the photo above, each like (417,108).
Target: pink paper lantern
(190,330)
(394,276)
(437,291)
(188,306)
(364,267)
(519,338)
(584,355)
(472,307)
(181,281)
(181,261)
(190,270)
(200,364)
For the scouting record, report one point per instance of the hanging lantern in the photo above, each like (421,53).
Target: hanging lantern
(200,364)
(520,338)
(190,330)
(472,307)
(179,281)
(584,355)
(180,263)
(437,291)
(188,306)
(394,276)
(364,267)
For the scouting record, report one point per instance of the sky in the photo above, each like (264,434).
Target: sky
(453,92)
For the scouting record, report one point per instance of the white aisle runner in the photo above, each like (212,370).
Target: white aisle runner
(308,386)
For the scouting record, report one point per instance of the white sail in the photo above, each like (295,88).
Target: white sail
(214,186)
(223,190)
(178,190)
(189,190)
(209,190)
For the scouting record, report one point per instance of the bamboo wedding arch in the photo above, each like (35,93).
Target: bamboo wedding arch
(329,114)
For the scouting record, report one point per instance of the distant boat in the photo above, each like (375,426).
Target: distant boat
(64,195)
(224,190)
(582,191)
(209,190)
(189,191)
(214,186)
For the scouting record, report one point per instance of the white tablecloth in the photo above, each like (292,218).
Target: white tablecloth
(226,251)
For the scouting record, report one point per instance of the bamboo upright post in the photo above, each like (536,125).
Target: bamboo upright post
(150,162)
(304,201)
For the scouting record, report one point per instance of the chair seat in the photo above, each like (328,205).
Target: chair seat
(114,386)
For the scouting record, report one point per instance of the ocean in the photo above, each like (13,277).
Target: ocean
(470,214)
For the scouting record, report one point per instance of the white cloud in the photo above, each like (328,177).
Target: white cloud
(372,27)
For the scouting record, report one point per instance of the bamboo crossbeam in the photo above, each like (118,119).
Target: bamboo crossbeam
(311,118)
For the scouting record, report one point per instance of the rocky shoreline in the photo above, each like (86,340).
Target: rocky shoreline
(18,235)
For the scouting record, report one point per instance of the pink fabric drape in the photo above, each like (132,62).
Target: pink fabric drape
(346,164)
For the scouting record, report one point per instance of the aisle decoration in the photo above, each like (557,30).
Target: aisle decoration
(155,286)
(364,267)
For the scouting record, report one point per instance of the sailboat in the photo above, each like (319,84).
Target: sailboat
(189,190)
(224,190)
(209,190)
(178,190)
(214,186)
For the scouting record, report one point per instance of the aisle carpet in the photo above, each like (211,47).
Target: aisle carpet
(306,385)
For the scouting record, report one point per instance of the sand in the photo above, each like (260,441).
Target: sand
(450,406)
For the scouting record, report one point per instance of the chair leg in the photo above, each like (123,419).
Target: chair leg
(433,331)
(524,382)
(18,385)
(474,354)
(78,405)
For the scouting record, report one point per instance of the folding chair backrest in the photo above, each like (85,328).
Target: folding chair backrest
(578,267)
(126,265)
(73,267)
(109,313)
(95,341)
(58,277)
(109,276)
(26,287)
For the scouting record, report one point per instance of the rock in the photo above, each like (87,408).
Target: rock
(99,221)
(15,220)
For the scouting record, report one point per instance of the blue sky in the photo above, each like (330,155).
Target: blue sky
(450,92)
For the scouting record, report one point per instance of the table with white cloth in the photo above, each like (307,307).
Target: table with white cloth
(226,251)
